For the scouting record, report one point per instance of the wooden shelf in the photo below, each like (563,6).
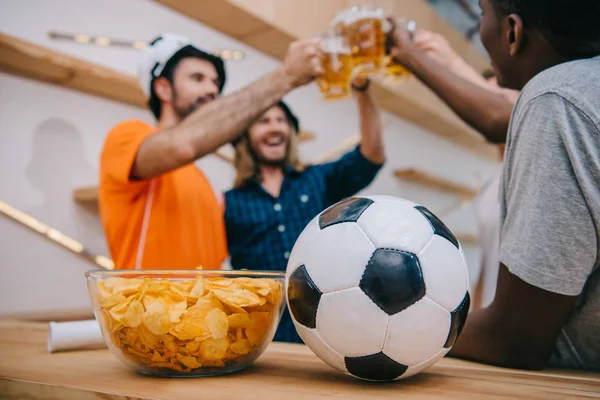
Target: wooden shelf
(32,61)
(426,179)
(270,26)
(86,194)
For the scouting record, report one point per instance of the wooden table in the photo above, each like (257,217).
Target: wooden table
(284,371)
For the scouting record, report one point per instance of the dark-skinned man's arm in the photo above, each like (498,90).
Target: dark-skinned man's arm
(520,327)
(487,111)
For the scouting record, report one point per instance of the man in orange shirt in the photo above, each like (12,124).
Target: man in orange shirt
(158,209)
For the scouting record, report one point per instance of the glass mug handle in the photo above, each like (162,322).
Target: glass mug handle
(409,25)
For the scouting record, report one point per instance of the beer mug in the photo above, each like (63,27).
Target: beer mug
(363,27)
(394,71)
(336,58)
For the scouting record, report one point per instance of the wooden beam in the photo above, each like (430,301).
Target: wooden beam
(32,61)
(270,26)
(54,235)
(426,179)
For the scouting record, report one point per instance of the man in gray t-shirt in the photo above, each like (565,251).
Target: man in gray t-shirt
(547,305)
(550,196)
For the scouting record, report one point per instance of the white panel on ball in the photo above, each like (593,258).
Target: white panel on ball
(302,243)
(337,257)
(415,369)
(417,333)
(396,225)
(444,272)
(320,348)
(351,323)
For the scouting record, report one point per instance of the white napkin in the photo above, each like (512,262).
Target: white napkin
(77,335)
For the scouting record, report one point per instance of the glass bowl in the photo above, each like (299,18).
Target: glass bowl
(187,323)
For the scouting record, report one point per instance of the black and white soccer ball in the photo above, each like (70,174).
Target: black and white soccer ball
(377,287)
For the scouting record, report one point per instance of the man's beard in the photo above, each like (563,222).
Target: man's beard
(184,112)
(272,163)
(259,159)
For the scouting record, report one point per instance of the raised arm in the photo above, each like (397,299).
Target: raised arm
(487,111)
(224,119)
(371,142)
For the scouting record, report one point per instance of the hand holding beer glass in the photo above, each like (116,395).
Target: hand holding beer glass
(364,29)
(394,71)
(359,44)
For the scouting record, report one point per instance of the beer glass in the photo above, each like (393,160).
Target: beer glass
(394,71)
(336,59)
(364,29)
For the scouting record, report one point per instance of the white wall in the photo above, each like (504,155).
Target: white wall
(50,140)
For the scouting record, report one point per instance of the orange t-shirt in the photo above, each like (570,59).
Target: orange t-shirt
(173,221)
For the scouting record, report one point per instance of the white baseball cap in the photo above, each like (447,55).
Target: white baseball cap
(157,54)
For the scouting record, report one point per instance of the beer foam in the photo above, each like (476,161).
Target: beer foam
(340,17)
(334,45)
(359,13)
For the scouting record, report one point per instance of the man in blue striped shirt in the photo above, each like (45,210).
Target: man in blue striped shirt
(275,196)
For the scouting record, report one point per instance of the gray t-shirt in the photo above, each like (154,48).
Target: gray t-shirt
(550,199)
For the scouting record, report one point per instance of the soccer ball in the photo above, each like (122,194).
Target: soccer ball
(377,287)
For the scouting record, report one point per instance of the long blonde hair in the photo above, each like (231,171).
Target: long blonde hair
(247,166)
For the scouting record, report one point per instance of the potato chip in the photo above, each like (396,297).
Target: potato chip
(157,357)
(110,283)
(156,318)
(214,349)
(217,323)
(191,330)
(177,293)
(111,300)
(239,334)
(128,288)
(260,323)
(133,316)
(147,300)
(241,347)
(239,320)
(169,343)
(192,346)
(198,289)
(150,340)
(239,298)
(121,307)
(188,361)
(176,310)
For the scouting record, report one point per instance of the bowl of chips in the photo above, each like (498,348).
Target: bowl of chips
(187,323)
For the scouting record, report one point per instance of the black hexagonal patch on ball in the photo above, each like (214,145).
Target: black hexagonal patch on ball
(438,226)
(393,280)
(348,210)
(458,319)
(377,367)
(304,297)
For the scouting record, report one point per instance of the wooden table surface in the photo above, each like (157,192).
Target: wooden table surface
(284,371)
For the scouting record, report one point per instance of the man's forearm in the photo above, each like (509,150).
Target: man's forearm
(371,144)
(485,110)
(209,127)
